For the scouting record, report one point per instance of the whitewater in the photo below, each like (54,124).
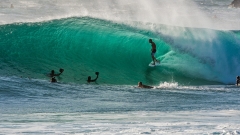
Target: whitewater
(198,44)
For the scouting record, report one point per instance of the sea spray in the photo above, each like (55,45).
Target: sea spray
(121,53)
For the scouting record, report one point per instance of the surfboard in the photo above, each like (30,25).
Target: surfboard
(156,64)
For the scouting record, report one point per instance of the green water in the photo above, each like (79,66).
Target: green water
(121,53)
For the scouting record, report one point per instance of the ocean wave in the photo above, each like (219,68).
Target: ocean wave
(120,52)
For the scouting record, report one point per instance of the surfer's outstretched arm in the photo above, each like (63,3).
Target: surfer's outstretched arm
(90,80)
(97,73)
(53,73)
(95,79)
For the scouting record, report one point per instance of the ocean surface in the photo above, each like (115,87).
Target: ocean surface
(198,44)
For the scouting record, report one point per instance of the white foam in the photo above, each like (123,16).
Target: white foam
(181,122)
(181,13)
(168,85)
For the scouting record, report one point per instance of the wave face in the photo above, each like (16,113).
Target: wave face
(120,52)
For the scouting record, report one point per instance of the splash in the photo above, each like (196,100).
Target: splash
(212,14)
(83,46)
(168,85)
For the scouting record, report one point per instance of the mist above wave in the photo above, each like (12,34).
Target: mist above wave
(212,14)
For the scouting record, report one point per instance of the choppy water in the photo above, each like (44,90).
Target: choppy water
(194,91)
(39,107)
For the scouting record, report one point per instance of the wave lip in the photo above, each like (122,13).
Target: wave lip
(121,53)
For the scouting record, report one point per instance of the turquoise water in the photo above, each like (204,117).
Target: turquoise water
(191,94)
(120,52)
(198,43)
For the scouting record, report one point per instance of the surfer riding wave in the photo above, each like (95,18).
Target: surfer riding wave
(154,50)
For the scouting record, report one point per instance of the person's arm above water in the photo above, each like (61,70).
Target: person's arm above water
(97,73)
(53,73)
(61,71)
(90,80)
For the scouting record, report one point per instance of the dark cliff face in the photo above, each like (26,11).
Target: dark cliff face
(235,3)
